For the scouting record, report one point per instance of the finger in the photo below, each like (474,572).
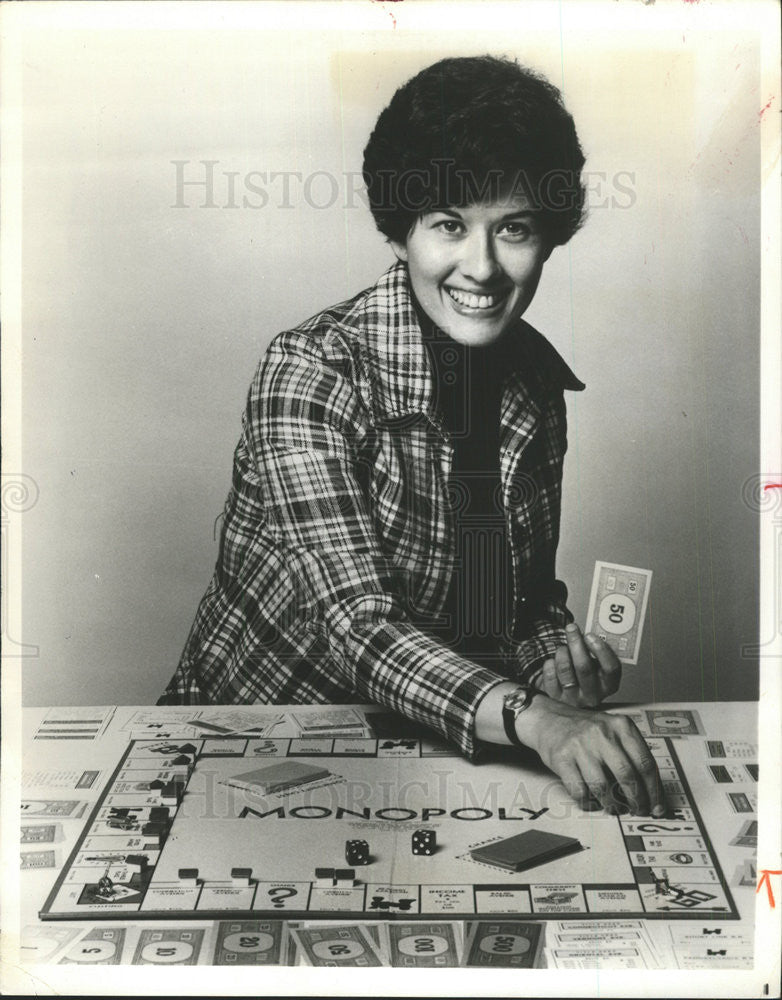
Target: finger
(644,764)
(566,673)
(571,778)
(601,785)
(619,797)
(632,764)
(584,665)
(549,680)
(610,667)
(627,786)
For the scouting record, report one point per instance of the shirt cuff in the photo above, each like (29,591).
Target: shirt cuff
(471,747)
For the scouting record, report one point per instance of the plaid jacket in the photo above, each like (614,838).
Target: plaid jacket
(337,539)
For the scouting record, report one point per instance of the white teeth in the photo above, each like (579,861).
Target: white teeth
(473,301)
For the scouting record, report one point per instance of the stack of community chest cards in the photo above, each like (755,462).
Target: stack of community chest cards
(603,944)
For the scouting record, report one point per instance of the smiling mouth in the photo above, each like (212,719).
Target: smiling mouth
(469,300)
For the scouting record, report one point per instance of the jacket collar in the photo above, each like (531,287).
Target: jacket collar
(399,371)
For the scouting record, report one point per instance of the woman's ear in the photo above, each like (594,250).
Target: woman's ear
(400,249)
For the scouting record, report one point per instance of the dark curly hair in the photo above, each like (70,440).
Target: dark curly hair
(465,129)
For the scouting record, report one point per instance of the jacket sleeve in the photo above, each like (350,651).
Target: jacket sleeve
(545,633)
(303,427)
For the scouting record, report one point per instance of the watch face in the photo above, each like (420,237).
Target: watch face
(517,700)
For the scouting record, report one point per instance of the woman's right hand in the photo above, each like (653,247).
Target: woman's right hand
(601,759)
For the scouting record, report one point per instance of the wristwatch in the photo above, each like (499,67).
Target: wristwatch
(513,705)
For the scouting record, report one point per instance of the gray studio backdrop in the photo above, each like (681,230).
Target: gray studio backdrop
(147,301)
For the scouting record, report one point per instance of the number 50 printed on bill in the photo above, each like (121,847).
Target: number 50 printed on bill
(617,607)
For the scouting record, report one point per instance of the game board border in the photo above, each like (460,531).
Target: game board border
(46,914)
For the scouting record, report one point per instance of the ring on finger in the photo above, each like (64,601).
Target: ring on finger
(566,686)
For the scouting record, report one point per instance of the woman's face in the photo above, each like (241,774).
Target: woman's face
(474,270)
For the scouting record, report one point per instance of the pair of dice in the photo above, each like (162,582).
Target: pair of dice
(423,842)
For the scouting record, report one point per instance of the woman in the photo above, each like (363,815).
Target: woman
(391,532)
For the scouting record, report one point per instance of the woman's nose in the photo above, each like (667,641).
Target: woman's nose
(479,262)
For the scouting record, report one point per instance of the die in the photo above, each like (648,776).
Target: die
(357,852)
(424,842)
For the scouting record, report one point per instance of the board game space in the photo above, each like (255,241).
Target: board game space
(240,827)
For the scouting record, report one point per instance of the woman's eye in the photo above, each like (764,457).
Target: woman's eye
(450,226)
(516,230)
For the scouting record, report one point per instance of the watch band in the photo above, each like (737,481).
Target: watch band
(512,706)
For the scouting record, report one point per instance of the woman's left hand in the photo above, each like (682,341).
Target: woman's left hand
(583,672)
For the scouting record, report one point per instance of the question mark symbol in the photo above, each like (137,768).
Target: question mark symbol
(280,894)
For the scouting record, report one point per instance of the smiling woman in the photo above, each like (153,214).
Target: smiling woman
(475,271)
(392,526)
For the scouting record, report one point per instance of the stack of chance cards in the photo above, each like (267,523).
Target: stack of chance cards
(330,722)
(617,607)
(277,777)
